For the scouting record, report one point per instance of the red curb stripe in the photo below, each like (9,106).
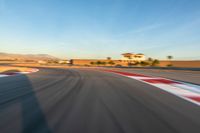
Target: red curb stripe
(158,81)
(197,99)
(17,73)
(3,75)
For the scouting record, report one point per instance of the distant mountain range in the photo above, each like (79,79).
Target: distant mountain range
(8,56)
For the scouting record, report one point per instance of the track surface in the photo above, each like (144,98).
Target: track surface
(90,101)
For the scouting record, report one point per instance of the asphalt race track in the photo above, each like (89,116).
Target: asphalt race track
(90,101)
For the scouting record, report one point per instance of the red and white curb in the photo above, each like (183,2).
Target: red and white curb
(183,90)
(17,73)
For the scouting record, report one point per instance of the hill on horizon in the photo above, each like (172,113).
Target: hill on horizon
(36,57)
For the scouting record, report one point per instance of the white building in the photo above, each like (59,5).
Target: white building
(130,57)
(64,62)
(42,62)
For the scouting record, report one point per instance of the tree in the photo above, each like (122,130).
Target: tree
(169,57)
(98,62)
(111,63)
(108,58)
(144,63)
(92,63)
(155,62)
(136,63)
(150,59)
(103,63)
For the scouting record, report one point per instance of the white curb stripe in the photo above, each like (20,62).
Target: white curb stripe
(2,75)
(17,73)
(189,87)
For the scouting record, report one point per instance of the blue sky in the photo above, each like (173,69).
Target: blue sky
(101,28)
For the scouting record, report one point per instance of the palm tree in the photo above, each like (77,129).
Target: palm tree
(150,59)
(169,57)
(108,58)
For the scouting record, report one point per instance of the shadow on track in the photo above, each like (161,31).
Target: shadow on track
(17,93)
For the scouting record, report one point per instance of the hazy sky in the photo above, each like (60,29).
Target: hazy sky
(101,28)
